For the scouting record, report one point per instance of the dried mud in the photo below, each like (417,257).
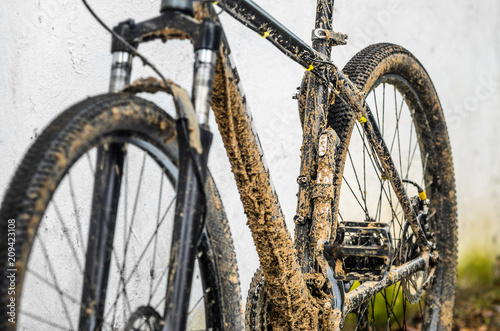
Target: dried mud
(285,285)
(294,307)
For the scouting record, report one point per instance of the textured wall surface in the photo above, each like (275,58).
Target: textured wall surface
(52,54)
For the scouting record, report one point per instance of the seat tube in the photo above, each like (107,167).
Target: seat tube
(324,16)
(314,126)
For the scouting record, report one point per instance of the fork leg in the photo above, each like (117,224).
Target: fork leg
(187,227)
(101,233)
(188,222)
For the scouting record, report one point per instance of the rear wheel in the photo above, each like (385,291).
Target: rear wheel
(116,156)
(408,112)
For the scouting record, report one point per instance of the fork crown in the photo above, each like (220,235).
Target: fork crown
(185,6)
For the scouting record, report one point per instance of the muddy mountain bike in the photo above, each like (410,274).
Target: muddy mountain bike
(112,221)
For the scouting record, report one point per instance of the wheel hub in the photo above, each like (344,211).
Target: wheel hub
(145,318)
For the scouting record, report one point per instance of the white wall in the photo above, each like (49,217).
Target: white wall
(52,54)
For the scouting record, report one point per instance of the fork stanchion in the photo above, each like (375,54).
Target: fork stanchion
(121,65)
(204,68)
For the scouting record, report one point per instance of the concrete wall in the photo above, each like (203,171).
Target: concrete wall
(52,54)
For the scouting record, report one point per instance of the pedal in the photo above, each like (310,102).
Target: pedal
(362,251)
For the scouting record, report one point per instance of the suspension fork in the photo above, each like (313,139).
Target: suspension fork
(194,144)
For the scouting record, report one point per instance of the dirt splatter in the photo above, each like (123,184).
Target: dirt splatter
(294,306)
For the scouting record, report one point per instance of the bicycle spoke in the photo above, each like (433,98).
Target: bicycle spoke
(398,134)
(66,232)
(156,240)
(388,195)
(363,193)
(398,115)
(154,235)
(350,188)
(383,107)
(125,222)
(411,159)
(361,315)
(364,172)
(51,285)
(126,304)
(195,305)
(163,273)
(45,321)
(376,109)
(404,313)
(129,277)
(134,209)
(127,236)
(378,212)
(410,154)
(125,196)
(77,214)
(91,164)
(56,283)
(395,297)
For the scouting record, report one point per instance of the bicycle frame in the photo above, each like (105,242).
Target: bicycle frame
(285,264)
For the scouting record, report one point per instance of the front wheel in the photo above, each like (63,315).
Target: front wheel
(408,113)
(92,206)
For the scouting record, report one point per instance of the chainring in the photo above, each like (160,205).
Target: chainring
(259,306)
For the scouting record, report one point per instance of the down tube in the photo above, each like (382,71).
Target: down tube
(264,214)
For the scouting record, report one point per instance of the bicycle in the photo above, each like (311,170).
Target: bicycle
(393,245)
